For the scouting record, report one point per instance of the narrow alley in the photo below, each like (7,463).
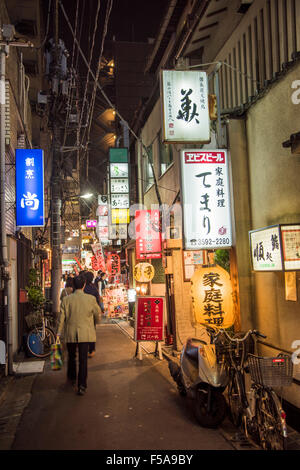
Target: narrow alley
(129,404)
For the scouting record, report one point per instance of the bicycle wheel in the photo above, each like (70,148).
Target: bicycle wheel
(234,394)
(271,421)
(39,346)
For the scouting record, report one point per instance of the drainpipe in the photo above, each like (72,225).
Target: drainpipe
(4,256)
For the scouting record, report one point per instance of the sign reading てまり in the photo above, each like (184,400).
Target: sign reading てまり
(206,199)
(149,324)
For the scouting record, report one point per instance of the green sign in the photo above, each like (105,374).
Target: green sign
(118,155)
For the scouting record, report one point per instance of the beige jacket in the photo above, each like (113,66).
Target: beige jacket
(78,314)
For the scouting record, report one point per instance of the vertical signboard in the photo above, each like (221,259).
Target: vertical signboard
(205,199)
(149,324)
(185,106)
(148,234)
(119,192)
(30,188)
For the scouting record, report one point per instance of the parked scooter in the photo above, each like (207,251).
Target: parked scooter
(201,377)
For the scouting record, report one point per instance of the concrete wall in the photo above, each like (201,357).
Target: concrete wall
(271,184)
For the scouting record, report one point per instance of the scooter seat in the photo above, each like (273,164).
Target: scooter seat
(192,352)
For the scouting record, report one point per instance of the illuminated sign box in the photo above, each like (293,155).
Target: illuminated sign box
(118,155)
(148,234)
(30,188)
(185,106)
(205,199)
(119,170)
(91,223)
(120,216)
(119,185)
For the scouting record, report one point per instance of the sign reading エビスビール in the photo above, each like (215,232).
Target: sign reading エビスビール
(30,188)
(185,106)
(206,199)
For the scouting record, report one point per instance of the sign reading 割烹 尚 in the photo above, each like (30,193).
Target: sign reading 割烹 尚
(30,188)
(205,199)
(185,106)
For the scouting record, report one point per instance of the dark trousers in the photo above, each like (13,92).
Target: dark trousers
(92,347)
(83,358)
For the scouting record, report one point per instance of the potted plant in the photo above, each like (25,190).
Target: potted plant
(36,299)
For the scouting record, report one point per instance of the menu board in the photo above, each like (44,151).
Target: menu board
(115,301)
(149,322)
(291,246)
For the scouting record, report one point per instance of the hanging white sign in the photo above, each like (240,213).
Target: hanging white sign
(185,106)
(206,199)
(118,170)
(120,201)
(119,185)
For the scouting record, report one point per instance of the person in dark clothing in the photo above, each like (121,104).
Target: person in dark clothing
(91,290)
(97,279)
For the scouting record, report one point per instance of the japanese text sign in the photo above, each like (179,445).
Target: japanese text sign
(290,235)
(185,106)
(113,264)
(265,246)
(206,199)
(30,188)
(275,248)
(212,297)
(148,234)
(149,324)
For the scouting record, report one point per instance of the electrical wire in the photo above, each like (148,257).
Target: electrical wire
(90,62)
(70,91)
(108,12)
(47,28)
(97,84)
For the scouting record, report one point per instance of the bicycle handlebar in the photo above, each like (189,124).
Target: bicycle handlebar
(240,340)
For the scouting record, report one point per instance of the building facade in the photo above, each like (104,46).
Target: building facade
(250,52)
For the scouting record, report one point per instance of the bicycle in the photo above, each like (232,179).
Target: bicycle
(41,335)
(259,410)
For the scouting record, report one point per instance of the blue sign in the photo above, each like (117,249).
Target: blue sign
(30,188)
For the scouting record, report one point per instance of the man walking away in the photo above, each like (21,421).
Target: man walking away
(78,315)
(91,290)
(97,280)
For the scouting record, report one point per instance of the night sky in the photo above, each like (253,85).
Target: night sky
(130,20)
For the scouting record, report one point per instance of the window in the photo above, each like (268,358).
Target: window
(148,173)
(165,155)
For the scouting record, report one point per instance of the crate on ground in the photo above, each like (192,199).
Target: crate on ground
(271,371)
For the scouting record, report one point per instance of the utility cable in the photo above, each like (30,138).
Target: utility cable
(47,27)
(110,103)
(108,12)
(90,62)
(70,91)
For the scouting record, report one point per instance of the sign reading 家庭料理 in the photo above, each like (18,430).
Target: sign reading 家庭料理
(30,188)
(185,106)
(205,199)
(265,247)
